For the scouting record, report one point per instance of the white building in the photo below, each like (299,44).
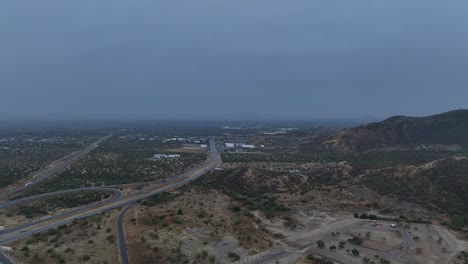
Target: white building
(203,146)
(247,146)
(229,145)
(174,139)
(166,156)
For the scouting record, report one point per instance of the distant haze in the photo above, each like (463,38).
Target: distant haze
(232,59)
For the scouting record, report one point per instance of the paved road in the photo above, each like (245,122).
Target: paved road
(55,167)
(116,192)
(120,230)
(4,259)
(86,211)
(121,236)
(59,216)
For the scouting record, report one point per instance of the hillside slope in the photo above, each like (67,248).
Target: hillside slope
(449,128)
(439,187)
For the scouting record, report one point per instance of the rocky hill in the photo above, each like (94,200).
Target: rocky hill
(439,186)
(447,130)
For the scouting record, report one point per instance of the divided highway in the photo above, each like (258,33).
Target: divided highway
(47,195)
(117,201)
(56,167)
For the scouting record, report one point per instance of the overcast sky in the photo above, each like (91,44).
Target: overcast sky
(232,59)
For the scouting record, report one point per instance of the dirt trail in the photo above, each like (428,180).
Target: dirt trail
(455,245)
(324,229)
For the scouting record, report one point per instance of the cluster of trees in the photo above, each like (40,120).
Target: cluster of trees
(232,184)
(382,159)
(354,240)
(29,153)
(120,161)
(316,260)
(278,156)
(391,219)
(63,201)
(56,242)
(160,198)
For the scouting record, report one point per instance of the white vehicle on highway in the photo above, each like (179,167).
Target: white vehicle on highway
(27,184)
(392,225)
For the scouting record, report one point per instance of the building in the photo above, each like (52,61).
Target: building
(247,146)
(229,145)
(166,156)
(203,146)
(175,139)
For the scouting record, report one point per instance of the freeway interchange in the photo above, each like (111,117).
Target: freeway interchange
(118,200)
(126,201)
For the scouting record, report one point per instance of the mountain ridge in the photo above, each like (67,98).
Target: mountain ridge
(449,128)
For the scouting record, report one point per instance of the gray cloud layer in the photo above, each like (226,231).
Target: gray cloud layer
(271,59)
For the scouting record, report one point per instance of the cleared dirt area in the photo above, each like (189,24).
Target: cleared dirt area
(374,245)
(376,240)
(435,244)
(84,241)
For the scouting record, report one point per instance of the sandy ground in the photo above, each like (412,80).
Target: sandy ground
(433,244)
(436,244)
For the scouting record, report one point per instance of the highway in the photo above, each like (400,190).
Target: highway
(74,211)
(47,195)
(42,225)
(54,168)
